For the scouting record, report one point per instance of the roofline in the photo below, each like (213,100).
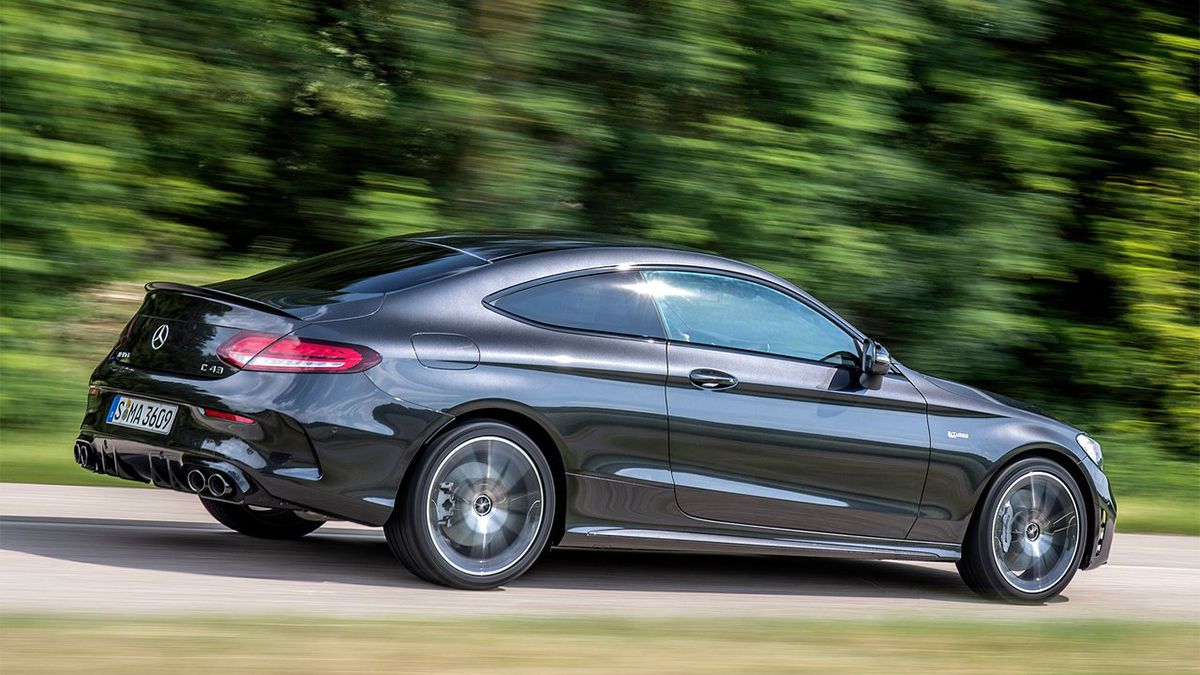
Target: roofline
(537,242)
(447,247)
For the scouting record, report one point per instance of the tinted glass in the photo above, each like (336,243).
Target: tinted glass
(610,303)
(723,311)
(374,267)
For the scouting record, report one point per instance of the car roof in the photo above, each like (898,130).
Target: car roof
(545,254)
(493,246)
(551,253)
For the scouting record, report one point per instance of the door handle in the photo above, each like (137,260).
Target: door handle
(712,379)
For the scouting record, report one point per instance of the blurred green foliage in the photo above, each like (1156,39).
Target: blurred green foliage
(1004,193)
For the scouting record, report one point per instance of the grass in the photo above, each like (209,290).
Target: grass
(1158,515)
(64,646)
(45,457)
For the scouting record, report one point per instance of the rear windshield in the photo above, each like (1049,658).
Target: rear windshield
(375,267)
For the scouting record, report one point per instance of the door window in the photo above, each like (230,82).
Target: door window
(721,311)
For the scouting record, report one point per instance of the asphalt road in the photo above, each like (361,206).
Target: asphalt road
(141,551)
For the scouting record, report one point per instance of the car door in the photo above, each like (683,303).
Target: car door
(769,423)
(588,354)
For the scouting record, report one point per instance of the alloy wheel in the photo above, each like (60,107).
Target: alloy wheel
(484,505)
(1035,532)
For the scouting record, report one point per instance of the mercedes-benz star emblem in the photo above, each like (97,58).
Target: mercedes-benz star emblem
(160,336)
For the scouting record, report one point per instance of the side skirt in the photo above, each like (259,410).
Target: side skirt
(711,542)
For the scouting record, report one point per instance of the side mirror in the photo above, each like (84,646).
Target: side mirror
(875,358)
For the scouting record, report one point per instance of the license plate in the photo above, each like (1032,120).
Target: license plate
(137,413)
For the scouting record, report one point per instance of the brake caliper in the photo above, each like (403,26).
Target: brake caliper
(445,503)
(1006,520)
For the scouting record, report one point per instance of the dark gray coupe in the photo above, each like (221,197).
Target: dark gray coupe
(484,397)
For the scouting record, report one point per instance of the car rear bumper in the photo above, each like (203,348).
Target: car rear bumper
(329,443)
(175,469)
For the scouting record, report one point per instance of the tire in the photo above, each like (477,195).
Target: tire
(262,523)
(477,510)
(1027,536)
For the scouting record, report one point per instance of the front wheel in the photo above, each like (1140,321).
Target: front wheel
(1027,538)
(260,522)
(478,510)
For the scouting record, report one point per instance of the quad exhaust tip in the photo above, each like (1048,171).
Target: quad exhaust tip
(211,484)
(218,486)
(83,454)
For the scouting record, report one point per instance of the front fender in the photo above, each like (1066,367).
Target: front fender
(968,449)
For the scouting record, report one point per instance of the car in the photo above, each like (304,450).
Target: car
(485,397)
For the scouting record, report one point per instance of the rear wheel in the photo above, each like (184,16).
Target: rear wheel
(260,522)
(1026,540)
(477,512)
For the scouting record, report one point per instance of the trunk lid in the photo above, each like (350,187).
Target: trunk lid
(180,328)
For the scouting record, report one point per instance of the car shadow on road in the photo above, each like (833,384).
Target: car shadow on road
(362,557)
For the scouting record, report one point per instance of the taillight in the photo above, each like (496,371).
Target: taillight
(250,350)
(240,348)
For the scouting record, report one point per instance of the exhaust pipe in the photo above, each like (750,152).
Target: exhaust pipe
(83,454)
(195,481)
(218,486)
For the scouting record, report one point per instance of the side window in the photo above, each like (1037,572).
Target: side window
(612,302)
(722,311)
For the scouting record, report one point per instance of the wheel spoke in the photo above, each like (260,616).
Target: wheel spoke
(459,533)
(1063,521)
(467,474)
(509,474)
(508,533)
(484,546)
(512,499)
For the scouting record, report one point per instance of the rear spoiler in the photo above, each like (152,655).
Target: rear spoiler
(218,295)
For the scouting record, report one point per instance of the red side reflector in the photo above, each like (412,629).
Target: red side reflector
(227,416)
(251,350)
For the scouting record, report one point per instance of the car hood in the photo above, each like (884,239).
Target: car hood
(981,400)
(967,391)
